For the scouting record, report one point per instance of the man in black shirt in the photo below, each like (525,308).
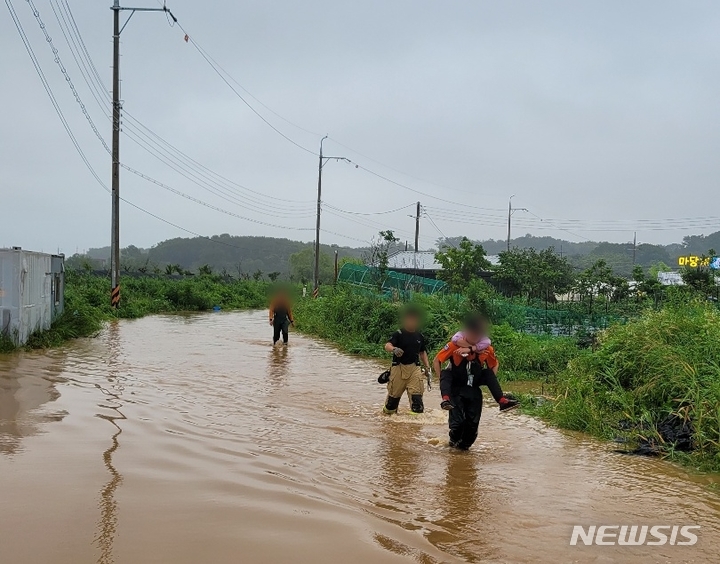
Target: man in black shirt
(408,348)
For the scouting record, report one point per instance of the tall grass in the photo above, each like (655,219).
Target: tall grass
(666,362)
(361,322)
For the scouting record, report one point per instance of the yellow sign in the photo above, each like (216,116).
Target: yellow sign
(693,261)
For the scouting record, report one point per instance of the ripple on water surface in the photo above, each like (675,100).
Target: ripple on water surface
(189,439)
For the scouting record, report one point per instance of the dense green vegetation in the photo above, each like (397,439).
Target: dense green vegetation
(361,322)
(623,383)
(240,257)
(665,363)
(87,301)
(245,256)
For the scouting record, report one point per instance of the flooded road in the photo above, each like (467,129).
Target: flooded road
(190,440)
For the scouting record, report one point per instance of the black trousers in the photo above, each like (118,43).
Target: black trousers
(467,401)
(279,328)
(481,377)
(464,417)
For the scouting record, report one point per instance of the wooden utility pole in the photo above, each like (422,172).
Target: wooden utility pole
(509,222)
(336,267)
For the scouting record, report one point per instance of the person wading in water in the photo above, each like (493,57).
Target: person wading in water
(281,317)
(460,383)
(408,348)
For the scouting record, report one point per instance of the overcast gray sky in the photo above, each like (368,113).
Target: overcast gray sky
(599,115)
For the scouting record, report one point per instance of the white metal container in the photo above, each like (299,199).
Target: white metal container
(32,287)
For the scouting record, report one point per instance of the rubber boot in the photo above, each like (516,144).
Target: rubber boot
(391,405)
(416,403)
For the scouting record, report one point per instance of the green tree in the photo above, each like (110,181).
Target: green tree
(533,274)
(657,268)
(273,276)
(598,280)
(378,256)
(302,266)
(645,285)
(701,277)
(461,264)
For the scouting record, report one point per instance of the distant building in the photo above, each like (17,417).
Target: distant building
(670,279)
(32,290)
(423,263)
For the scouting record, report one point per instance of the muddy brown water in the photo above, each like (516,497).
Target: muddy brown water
(190,440)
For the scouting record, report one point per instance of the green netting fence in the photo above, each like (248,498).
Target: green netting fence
(551,320)
(555,321)
(391,282)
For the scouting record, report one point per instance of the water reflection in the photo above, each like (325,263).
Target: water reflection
(27,383)
(277,366)
(107,526)
(399,463)
(465,529)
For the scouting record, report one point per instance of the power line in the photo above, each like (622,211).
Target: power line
(97,133)
(224,73)
(66,125)
(205,204)
(416,191)
(48,90)
(226,81)
(364,242)
(371,225)
(91,75)
(369,213)
(73,38)
(435,226)
(178,226)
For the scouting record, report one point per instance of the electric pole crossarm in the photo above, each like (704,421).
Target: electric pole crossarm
(326,159)
(133,10)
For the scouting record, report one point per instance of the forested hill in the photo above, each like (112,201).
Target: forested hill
(236,255)
(618,255)
(248,255)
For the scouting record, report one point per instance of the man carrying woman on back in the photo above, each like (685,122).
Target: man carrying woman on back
(471,363)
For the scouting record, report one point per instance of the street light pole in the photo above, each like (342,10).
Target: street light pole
(117,109)
(321,164)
